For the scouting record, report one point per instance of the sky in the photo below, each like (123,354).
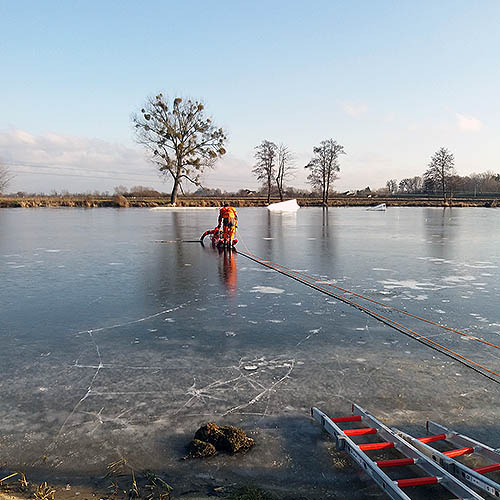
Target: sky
(392,81)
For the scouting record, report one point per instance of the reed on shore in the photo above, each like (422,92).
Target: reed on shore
(90,201)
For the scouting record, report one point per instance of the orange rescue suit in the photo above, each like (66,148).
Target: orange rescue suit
(229,219)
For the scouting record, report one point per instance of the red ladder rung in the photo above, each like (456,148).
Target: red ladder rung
(417,481)
(352,418)
(376,446)
(360,432)
(488,468)
(459,452)
(431,439)
(396,462)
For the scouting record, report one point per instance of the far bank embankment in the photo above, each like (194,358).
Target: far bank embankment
(150,202)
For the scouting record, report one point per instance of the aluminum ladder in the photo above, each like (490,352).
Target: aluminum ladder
(412,456)
(463,446)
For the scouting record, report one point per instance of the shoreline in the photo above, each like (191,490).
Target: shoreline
(154,202)
(213,483)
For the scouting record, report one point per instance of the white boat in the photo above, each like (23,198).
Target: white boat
(378,208)
(284,206)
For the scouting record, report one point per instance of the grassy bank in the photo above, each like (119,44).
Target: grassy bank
(185,201)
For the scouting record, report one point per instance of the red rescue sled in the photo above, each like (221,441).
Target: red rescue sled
(216,238)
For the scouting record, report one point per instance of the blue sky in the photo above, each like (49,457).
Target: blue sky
(390,80)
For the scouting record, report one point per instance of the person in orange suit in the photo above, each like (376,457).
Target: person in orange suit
(229,220)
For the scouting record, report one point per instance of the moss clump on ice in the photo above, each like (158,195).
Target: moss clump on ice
(200,449)
(211,433)
(212,437)
(233,439)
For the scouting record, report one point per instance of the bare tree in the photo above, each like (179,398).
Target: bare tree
(440,170)
(392,185)
(182,142)
(265,167)
(324,166)
(285,166)
(5,177)
(121,189)
(411,185)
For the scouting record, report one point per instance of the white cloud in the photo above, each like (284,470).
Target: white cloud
(53,161)
(390,117)
(22,137)
(354,109)
(61,161)
(468,123)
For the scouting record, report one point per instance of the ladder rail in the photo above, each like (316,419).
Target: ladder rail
(448,480)
(460,440)
(390,486)
(458,469)
(345,443)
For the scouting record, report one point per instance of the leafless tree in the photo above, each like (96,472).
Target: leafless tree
(476,183)
(324,166)
(485,182)
(440,170)
(182,142)
(5,177)
(121,189)
(392,185)
(411,185)
(265,167)
(285,168)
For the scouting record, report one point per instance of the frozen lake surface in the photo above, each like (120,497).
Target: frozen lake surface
(113,344)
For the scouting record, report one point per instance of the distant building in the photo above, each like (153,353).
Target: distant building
(247,192)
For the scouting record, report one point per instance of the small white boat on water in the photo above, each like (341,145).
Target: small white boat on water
(378,208)
(284,206)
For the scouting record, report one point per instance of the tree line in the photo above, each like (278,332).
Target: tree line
(441,178)
(182,142)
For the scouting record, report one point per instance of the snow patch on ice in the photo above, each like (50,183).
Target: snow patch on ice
(481,265)
(411,284)
(266,289)
(458,279)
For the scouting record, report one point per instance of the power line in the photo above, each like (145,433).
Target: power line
(71,167)
(130,176)
(85,176)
